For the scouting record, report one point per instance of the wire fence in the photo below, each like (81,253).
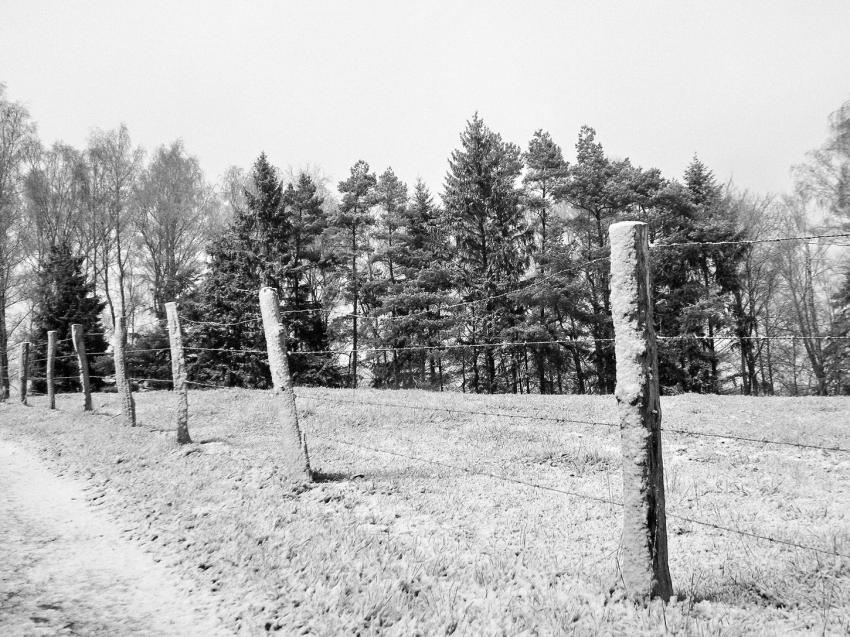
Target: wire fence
(725,528)
(354,399)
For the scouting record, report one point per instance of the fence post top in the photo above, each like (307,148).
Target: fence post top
(171,304)
(623,225)
(266,290)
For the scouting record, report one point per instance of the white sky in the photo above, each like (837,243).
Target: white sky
(747,85)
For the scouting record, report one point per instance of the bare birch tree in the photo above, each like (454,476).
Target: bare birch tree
(175,214)
(17,135)
(114,165)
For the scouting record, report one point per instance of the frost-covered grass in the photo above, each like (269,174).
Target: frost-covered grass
(384,544)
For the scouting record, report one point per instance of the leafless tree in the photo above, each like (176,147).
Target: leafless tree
(175,214)
(17,136)
(113,168)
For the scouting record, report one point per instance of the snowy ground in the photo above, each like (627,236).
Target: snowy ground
(66,570)
(386,544)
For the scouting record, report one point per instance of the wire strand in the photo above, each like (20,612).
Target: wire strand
(577,494)
(556,419)
(683,244)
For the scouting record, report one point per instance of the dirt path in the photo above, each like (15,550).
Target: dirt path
(66,570)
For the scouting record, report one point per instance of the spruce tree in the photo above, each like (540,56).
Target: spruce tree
(546,173)
(391,202)
(270,242)
(302,295)
(488,222)
(422,282)
(64,297)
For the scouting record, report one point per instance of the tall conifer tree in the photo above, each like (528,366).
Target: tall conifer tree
(65,297)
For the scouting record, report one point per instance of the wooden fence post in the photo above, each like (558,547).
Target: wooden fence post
(178,373)
(4,377)
(83,363)
(51,368)
(23,370)
(295,457)
(643,562)
(122,382)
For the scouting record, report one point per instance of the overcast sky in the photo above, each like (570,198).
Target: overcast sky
(745,85)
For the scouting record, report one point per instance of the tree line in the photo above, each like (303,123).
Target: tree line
(499,284)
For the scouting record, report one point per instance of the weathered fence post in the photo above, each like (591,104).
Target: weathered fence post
(23,370)
(51,368)
(4,377)
(82,361)
(122,382)
(643,562)
(295,459)
(178,373)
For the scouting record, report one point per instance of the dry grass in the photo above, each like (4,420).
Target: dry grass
(388,545)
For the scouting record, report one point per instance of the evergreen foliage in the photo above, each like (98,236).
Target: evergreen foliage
(348,228)
(64,297)
(268,243)
(492,235)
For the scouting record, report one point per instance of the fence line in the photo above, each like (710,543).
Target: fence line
(452,410)
(575,494)
(684,244)
(476,412)
(557,419)
(626,265)
(504,344)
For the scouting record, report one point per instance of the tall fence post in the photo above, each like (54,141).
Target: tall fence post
(122,382)
(4,377)
(643,563)
(295,457)
(51,368)
(83,363)
(178,373)
(23,370)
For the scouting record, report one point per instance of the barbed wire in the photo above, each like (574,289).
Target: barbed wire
(454,410)
(225,349)
(256,319)
(683,244)
(765,441)
(462,346)
(210,385)
(510,344)
(557,419)
(576,494)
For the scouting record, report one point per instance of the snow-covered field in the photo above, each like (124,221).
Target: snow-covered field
(404,534)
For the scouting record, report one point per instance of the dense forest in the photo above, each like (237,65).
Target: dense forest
(498,282)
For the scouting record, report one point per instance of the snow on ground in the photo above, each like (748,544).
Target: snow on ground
(66,570)
(385,544)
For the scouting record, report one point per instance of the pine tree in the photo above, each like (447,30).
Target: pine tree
(64,297)
(348,226)
(269,243)
(838,350)
(391,202)
(600,191)
(545,176)
(303,300)
(483,203)
(698,287)
(422,282)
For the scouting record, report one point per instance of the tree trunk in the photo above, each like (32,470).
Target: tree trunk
(354,292)
(4,351)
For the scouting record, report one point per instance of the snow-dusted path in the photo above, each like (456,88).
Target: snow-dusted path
(66,570)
